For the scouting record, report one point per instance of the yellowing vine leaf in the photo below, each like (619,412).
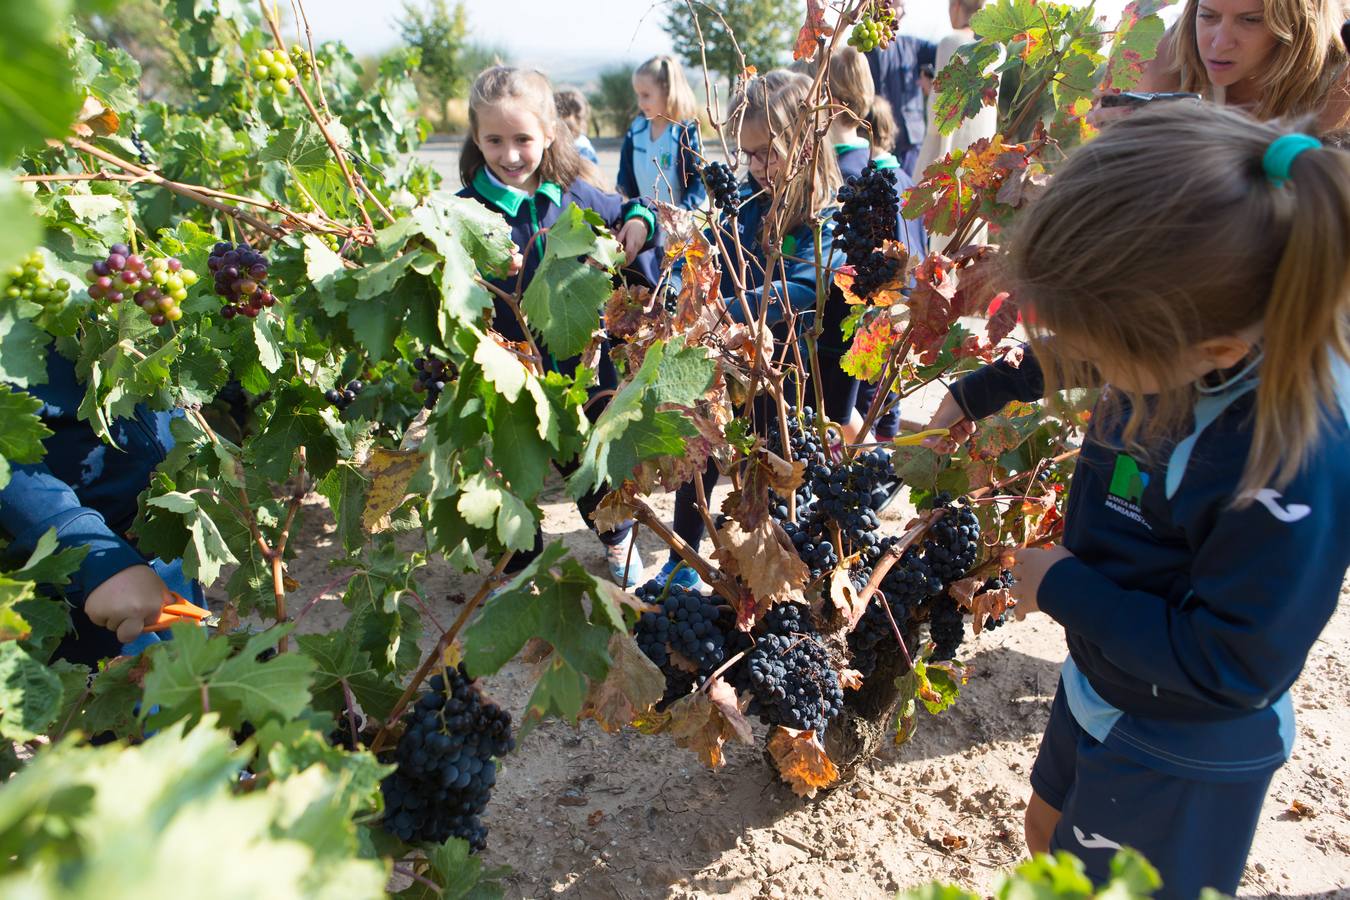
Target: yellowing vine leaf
(389,472)
(801,760)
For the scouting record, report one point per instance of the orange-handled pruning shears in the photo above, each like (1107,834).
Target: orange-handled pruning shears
(182,610)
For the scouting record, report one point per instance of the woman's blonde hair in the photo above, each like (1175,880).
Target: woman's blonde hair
(1164,232)
(851,83)
(572,109)
(529,90)
(780,101)
(667,73)
(1306,66)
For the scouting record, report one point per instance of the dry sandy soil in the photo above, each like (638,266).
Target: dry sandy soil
(581,813)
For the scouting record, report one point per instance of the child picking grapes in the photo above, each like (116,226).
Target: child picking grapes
(513,165)
(661,153)
(769,112)
(1193,262)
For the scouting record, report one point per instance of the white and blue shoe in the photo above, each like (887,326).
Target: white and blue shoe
(625,563)
(676,572)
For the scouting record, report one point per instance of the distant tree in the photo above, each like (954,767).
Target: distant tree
(762,29)
(612,102)
(441,34)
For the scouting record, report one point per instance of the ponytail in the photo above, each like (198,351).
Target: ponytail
(1171,229)
(1307,320)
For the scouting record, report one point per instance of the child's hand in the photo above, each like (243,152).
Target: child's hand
(127,602)
(1029,570)
(950,416)
(632,235)
(517,263)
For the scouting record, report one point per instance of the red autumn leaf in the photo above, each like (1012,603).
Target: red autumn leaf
(872,344)
(812,32)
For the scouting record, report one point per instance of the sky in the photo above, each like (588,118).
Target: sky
(564,34)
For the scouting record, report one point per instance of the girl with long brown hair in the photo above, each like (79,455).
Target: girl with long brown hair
(1193,262)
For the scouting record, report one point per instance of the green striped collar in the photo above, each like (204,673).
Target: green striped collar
(507,198)
(846,146)
(885,161)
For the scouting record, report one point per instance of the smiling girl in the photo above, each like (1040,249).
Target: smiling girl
(521,162)
(1272,58)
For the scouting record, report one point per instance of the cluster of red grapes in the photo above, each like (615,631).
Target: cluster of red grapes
(431,375)
(875,29)
(241,273)
(722,187)
(273,70)
(158,285)
(27,281)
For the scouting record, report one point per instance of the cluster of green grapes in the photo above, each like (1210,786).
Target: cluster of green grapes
(274,71)
(28,281)
(875,29)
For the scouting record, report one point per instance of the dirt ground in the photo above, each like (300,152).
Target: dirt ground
(584,814)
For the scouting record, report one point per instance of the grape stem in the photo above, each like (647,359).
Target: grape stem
(436,656)
(510,300)
(184,190)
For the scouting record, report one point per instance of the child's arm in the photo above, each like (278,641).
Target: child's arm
(627,182)
(35,501)
(797,290)
(691,155)
(1264,582)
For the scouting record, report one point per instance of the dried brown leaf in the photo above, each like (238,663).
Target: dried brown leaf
(705,720)
(633,685)
(764,559)
(801,760)
(850,679)
(844,597)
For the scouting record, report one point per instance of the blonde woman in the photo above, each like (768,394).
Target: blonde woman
(1271,58)
(661,156)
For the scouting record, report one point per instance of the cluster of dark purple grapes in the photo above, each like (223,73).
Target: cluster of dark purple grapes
(867,217)
(917,584)
(241,276)
(789,675)
(431,377)
(722,186)
(142,151)
(953,543)
(844,495)
(344,397)
(446,763)
(804,445)
(687,624)
(1002,581)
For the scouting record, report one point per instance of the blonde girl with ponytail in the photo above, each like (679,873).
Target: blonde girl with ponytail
(1192,262)
(662,154)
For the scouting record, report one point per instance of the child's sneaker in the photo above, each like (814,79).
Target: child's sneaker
(677,572)
(625,563)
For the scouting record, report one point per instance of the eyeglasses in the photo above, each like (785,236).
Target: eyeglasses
(745,157)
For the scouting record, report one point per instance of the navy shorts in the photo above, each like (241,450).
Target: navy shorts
(1196,833)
